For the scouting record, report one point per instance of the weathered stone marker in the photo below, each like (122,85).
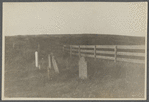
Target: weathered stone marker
(55,65)
(48,71)
(13,45)
(67,63)
(49,60)
(50,65)
(82,68)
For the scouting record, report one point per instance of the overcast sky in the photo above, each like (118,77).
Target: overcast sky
(75,18)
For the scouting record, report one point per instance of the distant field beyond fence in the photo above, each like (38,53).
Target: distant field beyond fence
(127,53)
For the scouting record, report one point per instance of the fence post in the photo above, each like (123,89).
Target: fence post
(115,55)
(79,52)
(95,52)
(70,50)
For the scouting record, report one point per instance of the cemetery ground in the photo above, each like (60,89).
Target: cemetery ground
(106,79)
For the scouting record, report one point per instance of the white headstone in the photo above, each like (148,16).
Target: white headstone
(55,65)
(82,68)
(36,59)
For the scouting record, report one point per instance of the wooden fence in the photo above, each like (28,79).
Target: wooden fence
(111,52)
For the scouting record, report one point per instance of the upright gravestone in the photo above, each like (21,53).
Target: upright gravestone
(82,68)
(55,65)
(36,59)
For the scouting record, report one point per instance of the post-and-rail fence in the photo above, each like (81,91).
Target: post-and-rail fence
(113,52)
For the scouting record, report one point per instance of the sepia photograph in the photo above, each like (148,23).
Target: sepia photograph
(74,50)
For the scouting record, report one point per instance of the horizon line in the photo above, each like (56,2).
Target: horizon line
(73,34)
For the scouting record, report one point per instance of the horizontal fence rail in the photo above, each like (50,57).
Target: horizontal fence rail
(131,54)
(131,47)
(91,51)
(86,46)
(111,52)
(105,46)
(105,57)
(106,52)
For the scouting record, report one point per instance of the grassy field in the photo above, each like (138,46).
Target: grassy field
(106,79)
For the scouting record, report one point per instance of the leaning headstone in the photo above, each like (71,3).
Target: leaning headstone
(82,68)
(49,60)
(55,65)
(49,65)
